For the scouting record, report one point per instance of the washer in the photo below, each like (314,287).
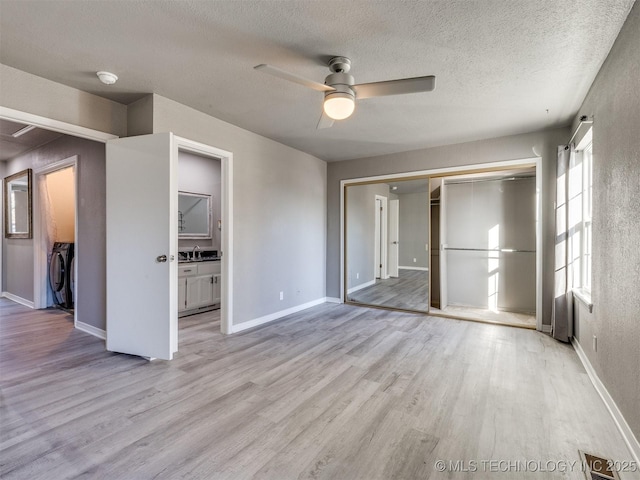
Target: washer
(61,274)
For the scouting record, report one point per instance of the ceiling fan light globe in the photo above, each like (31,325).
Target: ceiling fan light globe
(339,105)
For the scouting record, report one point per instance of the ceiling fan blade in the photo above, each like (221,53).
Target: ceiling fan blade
(276,72)
(325,121)
(395,87)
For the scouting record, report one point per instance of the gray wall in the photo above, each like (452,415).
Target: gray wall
(361,201)
(279,209)
(18,254)
(614,102)
(198,174)
(491,214)
(528,145)
(39,96)
(413,229)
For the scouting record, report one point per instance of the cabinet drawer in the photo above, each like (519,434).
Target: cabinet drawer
(208,267)
(186,270)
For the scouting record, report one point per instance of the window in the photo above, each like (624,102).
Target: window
(580,205)
(587,175)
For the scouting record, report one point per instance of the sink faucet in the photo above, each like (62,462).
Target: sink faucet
(193,253)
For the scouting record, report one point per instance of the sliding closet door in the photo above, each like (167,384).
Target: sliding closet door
(141,244)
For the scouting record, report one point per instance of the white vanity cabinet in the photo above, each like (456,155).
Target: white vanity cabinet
(198,287)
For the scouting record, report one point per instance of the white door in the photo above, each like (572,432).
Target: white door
(394,234)
(142,233)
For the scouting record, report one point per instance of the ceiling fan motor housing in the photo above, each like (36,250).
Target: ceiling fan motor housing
(342,82)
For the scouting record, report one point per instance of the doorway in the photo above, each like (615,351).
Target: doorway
(380,237)
(57,236)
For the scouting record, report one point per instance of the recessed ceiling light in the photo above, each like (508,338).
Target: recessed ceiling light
(107,78)
(22,131)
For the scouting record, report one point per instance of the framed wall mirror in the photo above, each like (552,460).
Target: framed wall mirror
(18,205)
(194,215)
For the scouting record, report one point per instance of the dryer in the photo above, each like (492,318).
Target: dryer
(61,274)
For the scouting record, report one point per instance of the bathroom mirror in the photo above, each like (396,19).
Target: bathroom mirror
(18,205)
(194,215)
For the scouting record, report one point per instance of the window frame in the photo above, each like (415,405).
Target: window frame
(585,281)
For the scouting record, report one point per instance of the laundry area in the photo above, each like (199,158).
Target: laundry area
(58,212)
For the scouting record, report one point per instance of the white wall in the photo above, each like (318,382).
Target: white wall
(279,209)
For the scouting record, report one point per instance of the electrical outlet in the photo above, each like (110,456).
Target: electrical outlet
(357,276)
(426,247)
(414,260)
(281,295)
(595,343)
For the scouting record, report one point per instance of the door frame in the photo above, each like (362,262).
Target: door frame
(381,236)
(226,209)
(40,264)
(444,171)
(393,207)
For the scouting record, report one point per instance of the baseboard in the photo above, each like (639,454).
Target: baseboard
(361,286)
(275,316)
(20,300)
(618,418)
(546,329)
(91,330)
(333,300)
(425,269)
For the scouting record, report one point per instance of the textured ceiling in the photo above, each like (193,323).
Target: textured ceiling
(503,67)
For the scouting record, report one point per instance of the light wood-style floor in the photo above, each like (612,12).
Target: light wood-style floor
(333,392)
(410,291)
(485,315)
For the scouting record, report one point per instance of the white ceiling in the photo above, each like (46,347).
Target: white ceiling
(503,66)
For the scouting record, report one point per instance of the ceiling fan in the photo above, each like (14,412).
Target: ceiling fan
(340,91)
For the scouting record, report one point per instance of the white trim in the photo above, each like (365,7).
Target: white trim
(442,170)
(333,300)
(381,221)
(546,329)
(17,299)
(40,253)
(342,294)
(226,160)
(55,125)
(616,414)
(584,297)
(275,316)
(91,330)
(539,244)
(361,286)
(425,269)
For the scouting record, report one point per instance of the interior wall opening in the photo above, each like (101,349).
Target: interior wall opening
(199,238)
